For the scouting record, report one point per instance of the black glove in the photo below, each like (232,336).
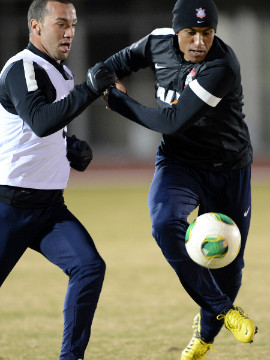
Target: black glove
(79,153)
(99,78)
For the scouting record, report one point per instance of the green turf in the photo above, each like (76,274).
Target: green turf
(143,313)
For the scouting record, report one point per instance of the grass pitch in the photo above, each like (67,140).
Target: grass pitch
(143,312)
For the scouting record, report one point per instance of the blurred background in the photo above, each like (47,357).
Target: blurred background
(140,293)
(106,27)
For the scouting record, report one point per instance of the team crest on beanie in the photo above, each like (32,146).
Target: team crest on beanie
(194,13)
(201,13)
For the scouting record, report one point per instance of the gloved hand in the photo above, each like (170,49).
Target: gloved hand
(99,78)
(79,153)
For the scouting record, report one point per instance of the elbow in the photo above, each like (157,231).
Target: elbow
(171,131)
(171,121)
(41,132)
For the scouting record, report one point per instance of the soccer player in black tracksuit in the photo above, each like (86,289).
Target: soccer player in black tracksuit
(204,157)
(37,100)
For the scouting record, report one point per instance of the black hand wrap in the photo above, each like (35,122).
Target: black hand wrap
(79,153)
(99,78)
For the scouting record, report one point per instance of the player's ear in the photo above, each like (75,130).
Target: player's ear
(35,26)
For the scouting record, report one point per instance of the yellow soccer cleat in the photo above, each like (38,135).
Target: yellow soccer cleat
(197,348)
(239,324)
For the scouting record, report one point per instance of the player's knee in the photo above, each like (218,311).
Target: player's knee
(165,229)
(168,227)
(98,267)
(88,269)
(102,267)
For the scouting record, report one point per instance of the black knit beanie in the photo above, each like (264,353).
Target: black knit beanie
(194,13)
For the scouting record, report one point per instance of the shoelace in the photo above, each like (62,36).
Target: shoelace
(235,322)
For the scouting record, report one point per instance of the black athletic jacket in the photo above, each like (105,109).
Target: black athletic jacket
(199,105)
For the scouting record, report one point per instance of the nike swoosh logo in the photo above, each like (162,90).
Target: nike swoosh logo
(200,22)
(159,66)
(246,212)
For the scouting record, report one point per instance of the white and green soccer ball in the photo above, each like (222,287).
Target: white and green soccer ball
(213,240)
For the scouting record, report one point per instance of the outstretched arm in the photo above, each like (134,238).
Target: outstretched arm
(31,95)
(197,99)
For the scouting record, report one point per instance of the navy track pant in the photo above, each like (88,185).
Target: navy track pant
(176,190)
(57,234)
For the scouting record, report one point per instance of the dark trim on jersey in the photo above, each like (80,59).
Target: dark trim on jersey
(58,66)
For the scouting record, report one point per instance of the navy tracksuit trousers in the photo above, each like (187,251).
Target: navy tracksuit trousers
(60,237)
(175,192)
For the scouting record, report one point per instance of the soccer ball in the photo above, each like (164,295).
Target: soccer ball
(213,240)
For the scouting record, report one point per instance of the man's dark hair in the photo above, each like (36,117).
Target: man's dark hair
(38,11)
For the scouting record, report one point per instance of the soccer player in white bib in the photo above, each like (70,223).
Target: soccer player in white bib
(38,99)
